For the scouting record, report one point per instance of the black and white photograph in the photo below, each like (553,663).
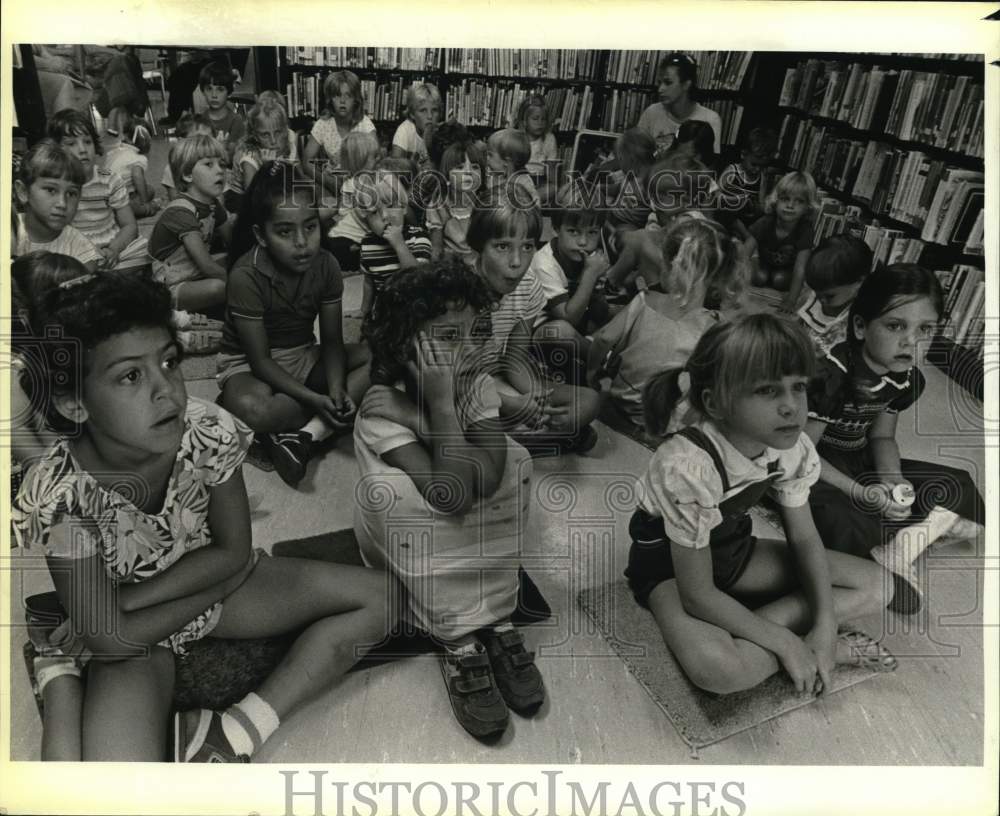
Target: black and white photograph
(457,420)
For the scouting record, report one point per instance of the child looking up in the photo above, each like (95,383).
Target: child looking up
(189,124)
(181,241)
(543,164)
(359,155)
(551,415)
(104,214)
(866,489)
(834,274)
(781,240)
(742,183)
(146,563)
(702,271)
(507,153)
(450,194)
(423,109)
(48,191)
(697,140)
(288,388)
(127,156)
(216,83)
(694,563)
(390,244)
(343,112)
(267,139)
(570,265)
(437,443)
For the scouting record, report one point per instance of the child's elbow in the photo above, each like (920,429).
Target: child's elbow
(449,496)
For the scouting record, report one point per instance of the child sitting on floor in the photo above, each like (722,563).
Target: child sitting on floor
(189,124)
(866,490)
(741,184)
(266,139)
(571,265)
(545,412)
(142,515)
(534,119)
(47,189)
(423,109)
(702,271)
(216,83)
(693,561)
(390,243)
(127,156)
(438,444)
(291,390)
(359,155)
(507,154)
(104,214)
(781,240)
(834,273)
(678,186)
(181,243)
(457,159)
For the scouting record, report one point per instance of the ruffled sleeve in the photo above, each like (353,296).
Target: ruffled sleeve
(217,442)
(799,467)
(683,487)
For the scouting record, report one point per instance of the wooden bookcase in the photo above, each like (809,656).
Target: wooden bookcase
(937,129)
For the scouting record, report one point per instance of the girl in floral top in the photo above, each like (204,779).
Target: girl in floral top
(142,514)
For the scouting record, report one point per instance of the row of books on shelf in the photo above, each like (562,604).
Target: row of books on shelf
(551,63)
(947,56)
(722,70)
(965,304)
(405,59)
(941,201)
(384,99)
(495,104)
(731,113)
(937,109)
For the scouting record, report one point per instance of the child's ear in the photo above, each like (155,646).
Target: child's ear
(858,328)
(258,233)
(71,407)
(21,191)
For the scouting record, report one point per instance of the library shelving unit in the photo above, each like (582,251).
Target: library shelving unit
(482,88)
(895,142)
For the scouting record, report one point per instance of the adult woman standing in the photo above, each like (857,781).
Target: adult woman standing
(677,80)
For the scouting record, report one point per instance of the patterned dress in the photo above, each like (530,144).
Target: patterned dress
(62,508)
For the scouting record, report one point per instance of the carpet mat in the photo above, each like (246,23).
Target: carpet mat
(218,672)
(701,719)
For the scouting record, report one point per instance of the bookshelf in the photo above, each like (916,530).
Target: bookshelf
(895,142)
(482,87)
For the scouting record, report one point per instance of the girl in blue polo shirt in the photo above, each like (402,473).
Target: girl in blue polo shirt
(274,376)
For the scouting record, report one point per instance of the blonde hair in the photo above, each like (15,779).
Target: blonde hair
(529,103)
(186,153)
(331,87)
(512,145)
(272,96)
(358,152)
(418,92)
(794,183)
(697,250)
(263,113)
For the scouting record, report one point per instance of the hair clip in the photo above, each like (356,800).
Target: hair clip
(77,281)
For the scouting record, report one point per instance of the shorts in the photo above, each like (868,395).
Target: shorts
(297,361)
(650,562)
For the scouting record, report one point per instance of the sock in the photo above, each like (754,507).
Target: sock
(317,429)
(249,723)
(911,541)
(503,626)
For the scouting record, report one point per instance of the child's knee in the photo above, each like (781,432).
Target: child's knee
(252,408)
(716,669)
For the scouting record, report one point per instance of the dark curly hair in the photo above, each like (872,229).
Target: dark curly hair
(412,297)
(77,315)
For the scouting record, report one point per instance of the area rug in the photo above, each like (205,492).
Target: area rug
(701,719)
(217,672)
